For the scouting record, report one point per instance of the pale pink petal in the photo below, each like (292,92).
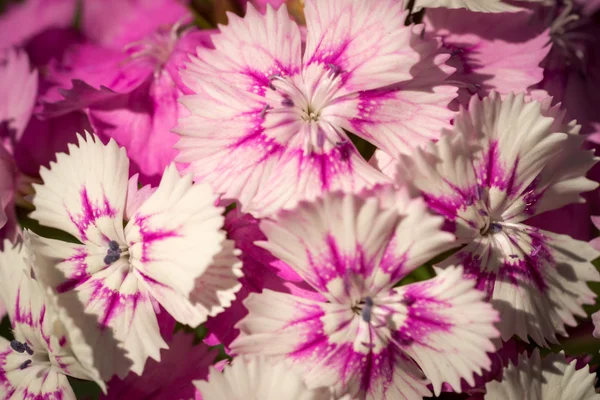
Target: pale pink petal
(171,378)
(366,40)
(499,52)
(446,329)
(8,187)
(551,377)
(111,23)
(371,250)
(536,279)
(490,6)
(84,192)
(136,196)
(18,88)
(263,379)
(408,114)
(23,20)
(162,238)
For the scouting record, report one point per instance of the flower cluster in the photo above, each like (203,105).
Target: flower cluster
(318,199)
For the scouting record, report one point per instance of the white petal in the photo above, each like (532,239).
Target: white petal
(259,378)
(473,5)
(173,239)
(550,378)
(84,191)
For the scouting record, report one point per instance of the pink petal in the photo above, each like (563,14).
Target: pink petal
(8,187)
(18,88)
(499,52)
(115,23)
(136,196)
(22,21)
(596,321)
(366,40)
(169,379)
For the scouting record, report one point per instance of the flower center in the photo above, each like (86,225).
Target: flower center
(22,348)
(491,228)
(305,98)
(114,253)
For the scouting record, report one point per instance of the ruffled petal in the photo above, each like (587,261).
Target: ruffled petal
(445,327)
(264,379)
(366,40)
(107,311)
(499,52)
(18,85)
(331,344)
(84,192)
(163,236)
(408,114)
(490,6)
(596,321)
(552,377)
(536,279)
(345,245)
(171,378)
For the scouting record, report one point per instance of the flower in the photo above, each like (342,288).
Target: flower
(169,379)
(368,337)
(23,20)
(36,363)
(551,377)
(129,95)
(268,119)
(258,378)
(109,285)
(506,161)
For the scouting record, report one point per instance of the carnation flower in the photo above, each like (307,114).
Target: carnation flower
(551,377)
(36,363)
(505,161)
(130,94)
(172,253)
(368,337)
(259,378)
(269,118)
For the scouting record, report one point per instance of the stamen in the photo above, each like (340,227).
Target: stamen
(271,79)
(334,69)
(495,228)
(25,364)
(28,349)
(264,111)
(113,254)
(17,346)
(287,102)
(367,310)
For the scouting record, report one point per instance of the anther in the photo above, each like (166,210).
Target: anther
(271,79)
(28,349)
(335,69)
(17,346)
(263,112)
(287,102)
(113,253)
(113,245)
(25,364)
(495,228)
(367,309)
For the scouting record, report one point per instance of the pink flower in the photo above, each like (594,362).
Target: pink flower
(269,118)
(506,161)
(130,96)
(500,52)
(26,19)
(367,336)
(113,283)
(171,377)
(117,23)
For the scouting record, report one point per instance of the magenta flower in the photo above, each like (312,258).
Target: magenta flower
(26,19)
(35,365)
(367,336)
(112,284)
(506,161)
(129,95)
(274,130)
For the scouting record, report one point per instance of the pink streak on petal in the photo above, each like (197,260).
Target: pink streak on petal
(90,213)
(148,236)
